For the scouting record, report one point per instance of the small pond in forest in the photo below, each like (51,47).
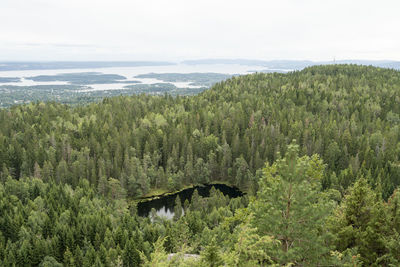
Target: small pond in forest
(164,205)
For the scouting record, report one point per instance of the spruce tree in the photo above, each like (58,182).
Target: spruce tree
(130,256)
(211,256)
(177,208)
(361,222)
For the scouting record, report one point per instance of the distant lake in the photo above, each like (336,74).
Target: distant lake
(129,73)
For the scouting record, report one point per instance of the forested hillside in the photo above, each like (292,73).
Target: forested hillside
(316,150)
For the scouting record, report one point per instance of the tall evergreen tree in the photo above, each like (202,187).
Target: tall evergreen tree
(361,223)
(290,208)
(131,256)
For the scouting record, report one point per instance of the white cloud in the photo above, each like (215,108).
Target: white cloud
(178,29)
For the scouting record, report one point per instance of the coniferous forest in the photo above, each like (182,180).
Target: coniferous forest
(316,151)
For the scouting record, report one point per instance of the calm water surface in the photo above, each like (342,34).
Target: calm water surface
(164,206)
(130,73)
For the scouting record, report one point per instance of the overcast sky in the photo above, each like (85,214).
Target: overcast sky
(186,29)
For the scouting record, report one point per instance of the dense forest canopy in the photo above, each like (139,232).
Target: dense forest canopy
(69,174)
(347,114)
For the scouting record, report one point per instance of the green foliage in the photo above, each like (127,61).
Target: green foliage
(290,208)
(50,262)
(55,225)
(211,256)
(177,208)
(199,79)
(250,249)
(159,258)
(364,223)
(131,256)
(346,114)
(68,173)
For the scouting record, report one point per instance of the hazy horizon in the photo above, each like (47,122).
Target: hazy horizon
(179,61)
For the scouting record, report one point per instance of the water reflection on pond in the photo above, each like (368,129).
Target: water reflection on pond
(164,205)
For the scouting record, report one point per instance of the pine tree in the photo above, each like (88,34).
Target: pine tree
(290,208)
